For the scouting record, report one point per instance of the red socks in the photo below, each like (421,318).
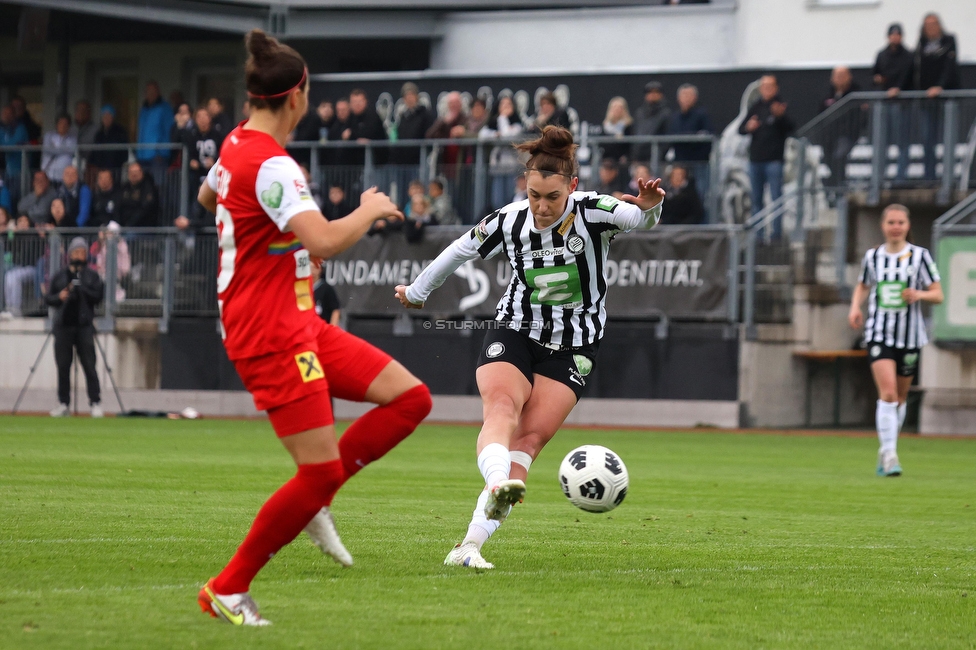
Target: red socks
(289,510)
(279,521)
(381,429)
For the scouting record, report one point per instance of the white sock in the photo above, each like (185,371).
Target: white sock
(902,410)
(521,458)
(495,463)
(480,528)
(886,419)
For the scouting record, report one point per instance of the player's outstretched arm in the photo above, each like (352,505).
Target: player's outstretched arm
(466,247)
(325,239)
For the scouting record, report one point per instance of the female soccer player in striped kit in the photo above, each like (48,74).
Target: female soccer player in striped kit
(288,358)
(533,366)
(895,277)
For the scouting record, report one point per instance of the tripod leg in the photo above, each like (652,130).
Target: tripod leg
(111,377)
(30,376)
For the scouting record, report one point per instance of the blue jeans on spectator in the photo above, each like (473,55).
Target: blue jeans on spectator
(931,122)
(899,127)
(761,173)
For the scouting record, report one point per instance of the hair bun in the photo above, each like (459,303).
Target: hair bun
(556,141)
(260,46)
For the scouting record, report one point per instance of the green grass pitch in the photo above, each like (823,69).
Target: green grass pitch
(108,528)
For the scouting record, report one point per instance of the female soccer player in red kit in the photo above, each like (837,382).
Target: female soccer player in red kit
(289,359)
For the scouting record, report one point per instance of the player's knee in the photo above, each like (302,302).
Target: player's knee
(502,408)
(888,395)
(416,403)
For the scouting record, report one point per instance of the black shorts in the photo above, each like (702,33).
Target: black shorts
(906,359)
(569,366)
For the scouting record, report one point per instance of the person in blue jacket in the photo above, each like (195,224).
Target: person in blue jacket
(155,118)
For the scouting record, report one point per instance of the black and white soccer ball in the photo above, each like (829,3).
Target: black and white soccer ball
(593,478)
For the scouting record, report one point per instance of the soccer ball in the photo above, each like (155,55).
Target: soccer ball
(593,478)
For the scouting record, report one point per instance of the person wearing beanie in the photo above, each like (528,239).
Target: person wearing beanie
(75,292)
(110,133)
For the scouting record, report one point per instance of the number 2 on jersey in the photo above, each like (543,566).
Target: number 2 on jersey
(228,248)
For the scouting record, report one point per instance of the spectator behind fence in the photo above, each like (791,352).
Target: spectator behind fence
(76,290)
(420,217)
(365,126)
(650,118)
(221,121)
(503,163)
(637,172)
(609,179)
(59,149)
(155,118)
(37,204)
(413,189)
(110,133)
(891,73)
(12,133)
(76,196)
(84,128)
(180,130)
(892,69)
(769,126)
(109,236)
(336,207)
(617,123)
(105,200)
(340,131)
(476,119)
(441,206)
(449,125)
(935,68)
(24,117)
(842,84)
(25,247)
(521,189)
(60,217)
(413,121)
(327,304)
(549,114)
(139,202)
(691,119)
(205,141)
(684,204)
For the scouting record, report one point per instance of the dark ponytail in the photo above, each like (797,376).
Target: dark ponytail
(554,152)
(272,71)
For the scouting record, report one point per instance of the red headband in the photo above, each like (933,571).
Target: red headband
(301,82)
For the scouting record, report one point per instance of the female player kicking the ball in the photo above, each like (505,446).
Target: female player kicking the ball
(288,358)
(895,277)
(533,366)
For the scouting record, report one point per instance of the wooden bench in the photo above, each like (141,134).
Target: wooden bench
(829,357)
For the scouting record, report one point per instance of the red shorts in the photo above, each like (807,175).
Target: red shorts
(295,386)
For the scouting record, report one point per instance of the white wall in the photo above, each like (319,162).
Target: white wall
(748,34)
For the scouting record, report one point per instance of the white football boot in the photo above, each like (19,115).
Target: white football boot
(61,412)
(467,555)
(96,410)
(502,497)
(323,532)
(236,609)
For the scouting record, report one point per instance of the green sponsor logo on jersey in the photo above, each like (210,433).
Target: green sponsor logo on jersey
(583,364)
(607,203)
(271,197)
(556,286)
(889,295)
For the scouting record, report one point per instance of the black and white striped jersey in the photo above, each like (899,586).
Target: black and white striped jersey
(891,321)
(558,289)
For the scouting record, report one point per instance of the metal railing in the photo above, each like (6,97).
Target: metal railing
(473,170)
(175,186)
(149,272)
(870,141)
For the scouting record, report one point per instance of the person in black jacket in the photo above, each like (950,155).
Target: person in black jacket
(891,73)
(691,119)
(105,201)
(110,133)
(139,203)
(769,126)
(75,291)
(415,119)
(935,68)
(364,125)
(684,206)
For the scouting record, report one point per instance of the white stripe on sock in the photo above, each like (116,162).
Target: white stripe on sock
(521,458)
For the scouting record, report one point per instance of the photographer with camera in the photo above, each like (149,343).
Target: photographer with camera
(75,292)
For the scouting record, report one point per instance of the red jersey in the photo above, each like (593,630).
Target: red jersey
(264,287)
